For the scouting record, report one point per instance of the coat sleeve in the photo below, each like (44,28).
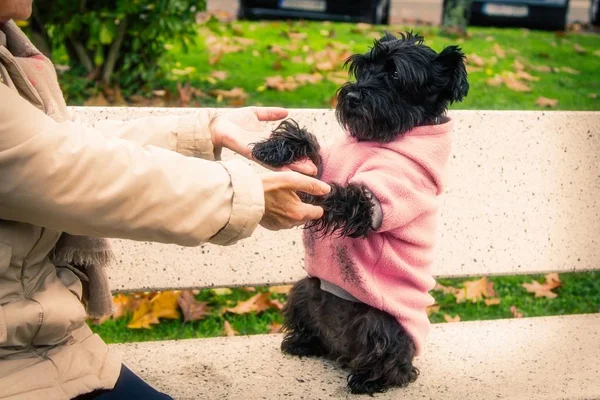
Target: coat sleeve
(185,134)
(70,177)
(402,188)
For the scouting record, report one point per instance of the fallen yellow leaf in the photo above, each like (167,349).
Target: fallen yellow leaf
(164,304)
(142,317)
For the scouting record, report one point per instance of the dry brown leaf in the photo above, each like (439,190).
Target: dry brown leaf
(593,95)
(475,291)
(257,303)
(281,84)
(518,65)
(495,81)
(446,289)
(499,51)
(220,75)
(546,102)
(333,101)
(193,310)
(579,49)
(298,60)
(597,53)
(277,304)
(283,289)
(249,289)
(244,41)
(361,27)
(96,101)
(513,84)
(515,312)
(552,281)
(275,327)
(542,68)
(339,77)
(432,309)
(297,35)
(228,329)
(492,302)
(278,50)
(471,69)
(277,65)
(230,94)
(308,78)
(569,70)
(475,60)
(448,318)
(526,76)
(324,66)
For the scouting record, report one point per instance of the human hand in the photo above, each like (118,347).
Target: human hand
(283,207)
(237,129)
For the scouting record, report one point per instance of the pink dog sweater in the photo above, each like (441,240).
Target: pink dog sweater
(391,268)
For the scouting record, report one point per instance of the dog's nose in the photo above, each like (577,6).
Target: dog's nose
(354,98)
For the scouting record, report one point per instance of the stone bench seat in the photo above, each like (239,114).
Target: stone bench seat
(523,198)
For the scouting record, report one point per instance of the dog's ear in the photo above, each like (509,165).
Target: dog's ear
(451,62)
(388,37)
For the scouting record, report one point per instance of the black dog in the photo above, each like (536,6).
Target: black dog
(401,84)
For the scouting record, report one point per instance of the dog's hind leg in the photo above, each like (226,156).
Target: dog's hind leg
(301,337)
(370,344)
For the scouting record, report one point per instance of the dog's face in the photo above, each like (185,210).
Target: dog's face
(400,84)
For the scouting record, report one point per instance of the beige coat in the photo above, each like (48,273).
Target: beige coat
(121,180)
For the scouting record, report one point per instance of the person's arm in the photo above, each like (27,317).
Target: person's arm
(187,134)
(68,177)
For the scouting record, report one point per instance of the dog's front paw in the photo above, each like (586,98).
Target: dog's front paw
(360,384)
(287,144)
(301,345)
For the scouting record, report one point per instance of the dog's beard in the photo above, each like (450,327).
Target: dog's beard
(381,116)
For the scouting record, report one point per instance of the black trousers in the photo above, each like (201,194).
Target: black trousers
(128,386)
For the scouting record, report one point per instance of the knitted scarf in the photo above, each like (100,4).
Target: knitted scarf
(34,77)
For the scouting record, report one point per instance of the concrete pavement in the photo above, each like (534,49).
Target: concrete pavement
(423,10)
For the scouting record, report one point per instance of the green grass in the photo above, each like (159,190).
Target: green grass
(249,71)
(579,294)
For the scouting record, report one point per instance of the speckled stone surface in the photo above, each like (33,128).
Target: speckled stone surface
(523,196)
(535,358)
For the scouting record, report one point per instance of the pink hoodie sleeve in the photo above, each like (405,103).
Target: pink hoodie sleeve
(402,187)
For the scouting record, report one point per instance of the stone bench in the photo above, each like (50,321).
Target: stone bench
(523,198)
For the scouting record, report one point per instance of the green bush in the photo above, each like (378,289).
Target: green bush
(114,42)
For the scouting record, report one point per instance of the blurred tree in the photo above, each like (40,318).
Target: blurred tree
(456,15)
(114,42)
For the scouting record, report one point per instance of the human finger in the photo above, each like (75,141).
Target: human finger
(270,113)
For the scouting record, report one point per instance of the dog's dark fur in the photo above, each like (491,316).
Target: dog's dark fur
(400,84)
